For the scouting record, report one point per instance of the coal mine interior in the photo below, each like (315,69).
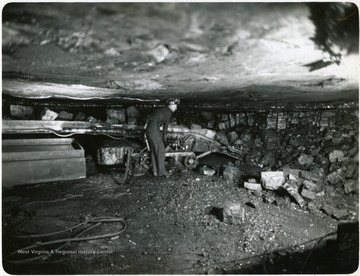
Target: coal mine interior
(261,151)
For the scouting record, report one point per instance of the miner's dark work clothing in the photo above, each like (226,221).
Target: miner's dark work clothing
(156,139)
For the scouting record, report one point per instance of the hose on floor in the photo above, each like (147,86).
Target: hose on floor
(44,254)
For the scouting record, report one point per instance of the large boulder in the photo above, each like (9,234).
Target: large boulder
(272,180)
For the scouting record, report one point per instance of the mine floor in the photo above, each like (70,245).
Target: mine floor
(172,226)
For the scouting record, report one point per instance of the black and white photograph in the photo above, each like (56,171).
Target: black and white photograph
(180,138)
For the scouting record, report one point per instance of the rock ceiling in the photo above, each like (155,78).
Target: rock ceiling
(199,52)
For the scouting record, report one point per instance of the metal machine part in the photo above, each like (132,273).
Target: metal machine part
(191,161)
(110,156)
(184,148)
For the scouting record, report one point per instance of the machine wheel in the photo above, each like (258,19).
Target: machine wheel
(145,162)
(191,161)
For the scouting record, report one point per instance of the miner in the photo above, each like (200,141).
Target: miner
(157,140)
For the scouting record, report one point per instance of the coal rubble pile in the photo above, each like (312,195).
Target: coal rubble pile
(313,154)
(325,164)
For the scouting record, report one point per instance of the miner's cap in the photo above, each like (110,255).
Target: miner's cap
(172,101)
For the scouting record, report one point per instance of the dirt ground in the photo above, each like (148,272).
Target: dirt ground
(174,226)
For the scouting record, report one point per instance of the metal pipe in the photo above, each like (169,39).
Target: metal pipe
(206,153)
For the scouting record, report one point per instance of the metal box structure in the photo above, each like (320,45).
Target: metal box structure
(28,161)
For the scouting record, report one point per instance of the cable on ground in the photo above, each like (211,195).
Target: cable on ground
(45,254)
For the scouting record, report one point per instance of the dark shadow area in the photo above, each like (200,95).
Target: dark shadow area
(331,256)
(250,205)
(217,212)
(337,27)
(336,24)
(313,66)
